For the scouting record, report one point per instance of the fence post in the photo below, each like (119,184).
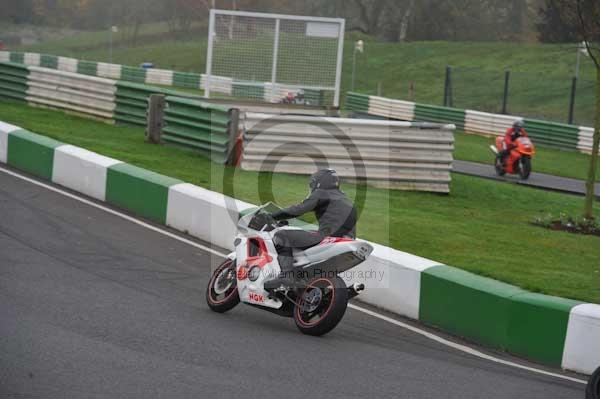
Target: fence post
(155,118)
(505,96)
(448,87)
(572,101)
(233,134)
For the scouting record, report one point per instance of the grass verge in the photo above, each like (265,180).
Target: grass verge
(483,226)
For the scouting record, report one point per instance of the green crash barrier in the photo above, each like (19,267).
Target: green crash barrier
(182,79)
(466,305)
(202,126)
(49,61)
(132,74)
(32,153)
(552,134)
(495,314)
(87,68)
(538,327)
(13,80)
(434,113)
(132,101)
(138,190)
(17,58)
(244,91)
(357,102)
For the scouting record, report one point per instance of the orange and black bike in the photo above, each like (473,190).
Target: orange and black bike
(518,160)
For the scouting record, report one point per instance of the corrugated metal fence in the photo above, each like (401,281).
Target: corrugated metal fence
(400,155)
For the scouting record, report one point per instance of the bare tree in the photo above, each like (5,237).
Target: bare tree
(588,18)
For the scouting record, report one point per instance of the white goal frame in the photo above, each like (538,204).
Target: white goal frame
(211,81)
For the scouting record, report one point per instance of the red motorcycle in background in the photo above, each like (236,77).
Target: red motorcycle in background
(518,160)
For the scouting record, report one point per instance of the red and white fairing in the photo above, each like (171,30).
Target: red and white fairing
(256,260)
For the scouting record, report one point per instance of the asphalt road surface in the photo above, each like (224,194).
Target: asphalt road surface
(537,180)
(95,306)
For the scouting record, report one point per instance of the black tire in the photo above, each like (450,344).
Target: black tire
(592,391)
(329,310)
(221,293)
(499,167)
(525,167)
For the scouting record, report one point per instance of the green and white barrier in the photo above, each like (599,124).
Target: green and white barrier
(218,84)
(555,331)
(550,134)
(208,128)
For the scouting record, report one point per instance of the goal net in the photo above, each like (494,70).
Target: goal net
(274,58)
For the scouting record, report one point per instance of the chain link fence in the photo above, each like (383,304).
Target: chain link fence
(528,94)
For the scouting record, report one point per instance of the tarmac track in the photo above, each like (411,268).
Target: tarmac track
(95,306)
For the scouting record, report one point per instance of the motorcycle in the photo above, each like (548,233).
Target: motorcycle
(518,160)
(316,298)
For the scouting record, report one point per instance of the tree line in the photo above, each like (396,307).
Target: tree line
(391,20)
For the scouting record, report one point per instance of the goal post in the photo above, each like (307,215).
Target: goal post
(274,58)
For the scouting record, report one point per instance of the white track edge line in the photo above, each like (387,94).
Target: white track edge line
(433,337)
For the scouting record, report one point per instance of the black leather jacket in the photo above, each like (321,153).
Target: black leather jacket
(334,211)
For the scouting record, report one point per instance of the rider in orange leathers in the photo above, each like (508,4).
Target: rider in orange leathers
(512,134)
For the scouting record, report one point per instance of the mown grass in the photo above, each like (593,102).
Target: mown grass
(470,147)
(482,226)
(540,83)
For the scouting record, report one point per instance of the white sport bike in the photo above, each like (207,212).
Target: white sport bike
(317,298)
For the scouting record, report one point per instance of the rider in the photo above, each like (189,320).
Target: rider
(512,134)
(334,211)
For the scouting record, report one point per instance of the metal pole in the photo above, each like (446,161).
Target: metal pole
(505,96)
(110,46)
(275,55)
(446,87)
(338,76)
(572,101)
(353,69)
(578,62)
(211,33)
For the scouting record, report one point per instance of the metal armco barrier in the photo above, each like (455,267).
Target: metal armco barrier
(219,84)
(399,155)
(13,80)
(71,91)
(209,128)
(549,134)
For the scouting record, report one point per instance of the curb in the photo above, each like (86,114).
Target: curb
(554,331)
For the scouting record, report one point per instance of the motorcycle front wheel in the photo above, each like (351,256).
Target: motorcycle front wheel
(498,165)
(593,387)
(525,167)
(221,293)
(321,305)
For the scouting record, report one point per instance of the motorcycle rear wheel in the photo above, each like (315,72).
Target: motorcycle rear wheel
(321,305)
(525,167)
(221,293)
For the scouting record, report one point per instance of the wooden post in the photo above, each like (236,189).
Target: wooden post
(155,118)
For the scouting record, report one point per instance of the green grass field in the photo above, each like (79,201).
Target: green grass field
(483,226)
(540,85)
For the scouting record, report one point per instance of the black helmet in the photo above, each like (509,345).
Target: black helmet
(325,179)
(518,125)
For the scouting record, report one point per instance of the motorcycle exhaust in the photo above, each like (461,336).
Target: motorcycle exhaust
(494,149)
(355,289)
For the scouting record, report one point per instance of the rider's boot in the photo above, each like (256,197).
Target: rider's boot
(286,276)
